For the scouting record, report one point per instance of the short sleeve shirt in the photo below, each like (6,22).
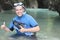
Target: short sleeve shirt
(28,22)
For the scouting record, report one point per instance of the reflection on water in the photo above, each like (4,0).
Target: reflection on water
(49,22)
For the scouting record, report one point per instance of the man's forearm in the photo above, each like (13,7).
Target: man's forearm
(6,29)
(34,29)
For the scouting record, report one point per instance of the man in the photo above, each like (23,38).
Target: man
(29,25)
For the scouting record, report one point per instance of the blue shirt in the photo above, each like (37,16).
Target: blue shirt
(28,22)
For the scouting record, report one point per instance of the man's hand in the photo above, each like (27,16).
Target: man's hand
(22,29)
(3,26)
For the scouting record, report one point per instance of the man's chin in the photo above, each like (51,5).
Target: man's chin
(19,15)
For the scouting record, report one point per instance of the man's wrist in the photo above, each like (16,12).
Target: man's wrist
(4,27)
(25,30)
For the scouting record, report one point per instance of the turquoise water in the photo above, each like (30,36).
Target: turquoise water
(49,22)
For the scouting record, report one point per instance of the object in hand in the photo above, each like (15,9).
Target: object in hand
(17,24)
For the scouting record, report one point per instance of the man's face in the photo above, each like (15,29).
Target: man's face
(19,10)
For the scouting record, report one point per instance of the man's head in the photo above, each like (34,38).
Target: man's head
(19,8)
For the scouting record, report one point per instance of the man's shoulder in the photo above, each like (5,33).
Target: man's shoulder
(27,15)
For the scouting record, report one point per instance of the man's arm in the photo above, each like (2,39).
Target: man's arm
(4,27)
(34,29)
